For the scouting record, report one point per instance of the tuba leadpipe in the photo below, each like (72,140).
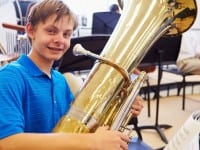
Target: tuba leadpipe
(106,96)
(79,50)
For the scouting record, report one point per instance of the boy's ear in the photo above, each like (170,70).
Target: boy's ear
(29,30)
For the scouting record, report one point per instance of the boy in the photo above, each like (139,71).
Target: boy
(34,96)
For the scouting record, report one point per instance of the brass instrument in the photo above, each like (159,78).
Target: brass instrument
(108,92)
(14,26)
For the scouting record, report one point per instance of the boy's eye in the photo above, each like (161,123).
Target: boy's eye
(67,34)
(51,31)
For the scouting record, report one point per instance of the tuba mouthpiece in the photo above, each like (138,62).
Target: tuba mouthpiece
(79,50)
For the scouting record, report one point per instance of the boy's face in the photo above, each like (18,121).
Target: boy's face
(50,39)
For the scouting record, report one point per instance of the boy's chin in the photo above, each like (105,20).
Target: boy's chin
(56,57)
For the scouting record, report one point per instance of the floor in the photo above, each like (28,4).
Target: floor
(170,112)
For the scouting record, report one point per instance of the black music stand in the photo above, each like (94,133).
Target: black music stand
(166,51)
(94,43)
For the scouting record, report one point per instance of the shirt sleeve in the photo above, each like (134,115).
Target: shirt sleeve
(11,112)
(188,45)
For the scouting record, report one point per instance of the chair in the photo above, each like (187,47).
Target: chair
(183,84)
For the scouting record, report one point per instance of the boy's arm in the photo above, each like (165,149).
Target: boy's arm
(102,139)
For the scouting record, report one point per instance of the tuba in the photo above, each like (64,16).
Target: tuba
(109,90)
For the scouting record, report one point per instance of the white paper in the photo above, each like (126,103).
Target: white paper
(187,138)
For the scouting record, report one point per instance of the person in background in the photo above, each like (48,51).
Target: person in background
(34,96)
(114,8)
(105,22)
(189,56)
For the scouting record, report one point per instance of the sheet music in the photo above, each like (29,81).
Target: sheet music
(187,138)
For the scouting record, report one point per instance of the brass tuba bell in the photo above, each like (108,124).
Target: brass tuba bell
(108,92)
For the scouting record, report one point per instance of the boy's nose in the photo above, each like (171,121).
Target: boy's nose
(59,38)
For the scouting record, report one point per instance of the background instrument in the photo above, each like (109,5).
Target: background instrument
(14,26)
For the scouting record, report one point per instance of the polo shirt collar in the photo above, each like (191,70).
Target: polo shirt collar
(25,61)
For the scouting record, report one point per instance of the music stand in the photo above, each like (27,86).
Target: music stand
(94,43)
(166,51)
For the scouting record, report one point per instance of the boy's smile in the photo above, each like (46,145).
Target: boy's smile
(50,38)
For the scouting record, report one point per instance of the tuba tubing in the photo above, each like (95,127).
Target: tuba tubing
(105,97)
(118,122)
(79,50)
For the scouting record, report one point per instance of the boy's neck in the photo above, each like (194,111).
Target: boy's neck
(44,66)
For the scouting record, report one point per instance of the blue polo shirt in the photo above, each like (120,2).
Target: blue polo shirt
(30,101)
